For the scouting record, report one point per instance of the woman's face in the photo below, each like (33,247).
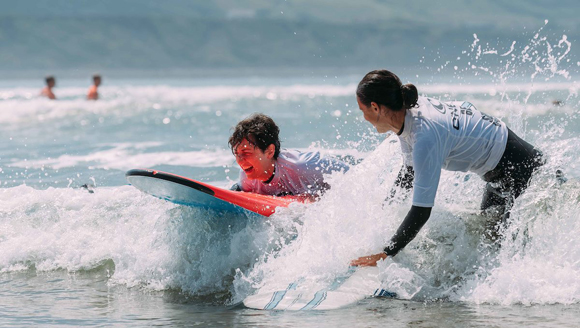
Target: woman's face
(372,114)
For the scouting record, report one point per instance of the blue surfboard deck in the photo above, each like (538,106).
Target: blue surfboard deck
(345,290)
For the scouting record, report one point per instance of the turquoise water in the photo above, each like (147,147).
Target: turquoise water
(117,257)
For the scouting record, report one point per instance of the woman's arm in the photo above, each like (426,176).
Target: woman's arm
(407,231)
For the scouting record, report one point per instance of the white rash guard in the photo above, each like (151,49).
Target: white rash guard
(454,136)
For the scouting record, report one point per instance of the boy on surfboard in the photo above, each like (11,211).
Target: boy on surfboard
(266,169)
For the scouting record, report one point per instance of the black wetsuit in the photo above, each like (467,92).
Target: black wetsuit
(504,184)
(510,177)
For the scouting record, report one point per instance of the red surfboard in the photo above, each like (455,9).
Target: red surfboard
(185,191)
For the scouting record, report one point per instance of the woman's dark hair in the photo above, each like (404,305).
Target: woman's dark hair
(385,88)
(260,130)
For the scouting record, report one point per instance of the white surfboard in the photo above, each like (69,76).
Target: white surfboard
(348,289)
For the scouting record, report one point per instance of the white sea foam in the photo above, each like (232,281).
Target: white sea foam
(124,156)
(152,243)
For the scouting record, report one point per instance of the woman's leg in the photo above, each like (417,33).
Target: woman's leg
(508,180)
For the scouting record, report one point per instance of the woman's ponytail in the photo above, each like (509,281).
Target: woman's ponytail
(410,95)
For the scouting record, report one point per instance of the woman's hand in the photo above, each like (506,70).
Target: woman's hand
(370,260)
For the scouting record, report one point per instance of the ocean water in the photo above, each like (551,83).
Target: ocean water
(107,255)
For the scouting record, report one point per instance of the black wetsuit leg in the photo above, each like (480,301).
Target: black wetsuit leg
(511,176)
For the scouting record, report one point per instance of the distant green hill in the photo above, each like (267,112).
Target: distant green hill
(174,34)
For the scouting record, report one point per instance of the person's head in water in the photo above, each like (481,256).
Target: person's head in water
(381,92)
(97,79)
(256,146)
(50,81)
(47,90)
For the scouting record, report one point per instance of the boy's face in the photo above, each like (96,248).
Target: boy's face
(257,164)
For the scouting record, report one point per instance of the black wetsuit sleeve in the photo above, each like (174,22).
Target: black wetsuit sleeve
(404,180)
(411,225)
(236,187)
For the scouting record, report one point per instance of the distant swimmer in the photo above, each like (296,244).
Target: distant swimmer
(47,90)
(434,135)
(93,94)
(267,169)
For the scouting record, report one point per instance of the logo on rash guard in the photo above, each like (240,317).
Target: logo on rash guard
(438,105)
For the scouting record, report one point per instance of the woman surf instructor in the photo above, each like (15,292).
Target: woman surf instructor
(454,136)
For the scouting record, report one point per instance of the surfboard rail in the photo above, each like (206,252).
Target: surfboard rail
(262,204)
